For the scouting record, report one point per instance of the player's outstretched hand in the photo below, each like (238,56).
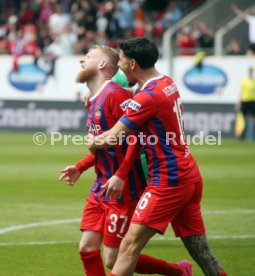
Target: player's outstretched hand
(115,187)
(71,174)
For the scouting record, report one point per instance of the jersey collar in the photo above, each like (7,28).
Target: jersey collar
(152,79)
(100,90)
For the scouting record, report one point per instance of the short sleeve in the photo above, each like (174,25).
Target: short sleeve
(118,103)
(140,109)
(85,163)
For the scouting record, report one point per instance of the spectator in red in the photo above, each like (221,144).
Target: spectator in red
(94,21)
(139,29)
(25,14)
(3,44)
(16,48)
(186,42)
(139,26)
(46,10)
(31,46)
(3,37)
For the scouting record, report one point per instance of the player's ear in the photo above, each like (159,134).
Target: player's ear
(133,64)
(102,64)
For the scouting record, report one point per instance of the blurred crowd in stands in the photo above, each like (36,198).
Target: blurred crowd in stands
(54,28)
(190,41)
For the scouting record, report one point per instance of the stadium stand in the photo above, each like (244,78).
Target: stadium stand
(56,28)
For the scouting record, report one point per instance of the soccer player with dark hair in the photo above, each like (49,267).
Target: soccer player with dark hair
(174,190)
(106,220)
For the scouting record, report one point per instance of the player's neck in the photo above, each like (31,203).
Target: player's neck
(95,84)
(144,75)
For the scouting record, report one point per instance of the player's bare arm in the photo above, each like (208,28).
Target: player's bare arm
(238,11)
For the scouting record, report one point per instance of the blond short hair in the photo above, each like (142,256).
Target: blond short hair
(112,55)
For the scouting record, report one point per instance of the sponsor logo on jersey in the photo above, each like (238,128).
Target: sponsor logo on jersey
(206,80)
(27,78)
(98,113)
(169,90)
(95,129)
(124,105)
(134,105)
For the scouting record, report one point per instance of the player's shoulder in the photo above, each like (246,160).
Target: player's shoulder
(115,93)
(116,88)
(163,82)
(157,85)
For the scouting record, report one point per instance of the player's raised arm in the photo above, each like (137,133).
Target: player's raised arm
(238,11)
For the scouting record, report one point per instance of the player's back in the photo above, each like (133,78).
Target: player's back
(170,160)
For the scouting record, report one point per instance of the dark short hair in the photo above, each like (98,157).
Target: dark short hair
(142,50)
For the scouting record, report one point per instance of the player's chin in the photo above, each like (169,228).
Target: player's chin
(81,77)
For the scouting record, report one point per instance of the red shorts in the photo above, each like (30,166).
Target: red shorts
(179,206)
(112,219)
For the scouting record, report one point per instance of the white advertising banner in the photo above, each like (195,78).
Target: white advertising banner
(31,82)
(216,82)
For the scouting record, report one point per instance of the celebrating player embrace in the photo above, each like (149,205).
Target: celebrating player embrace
(174,190)
(106,220)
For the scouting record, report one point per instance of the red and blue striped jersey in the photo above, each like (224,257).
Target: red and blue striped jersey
(156,111)
(105,109)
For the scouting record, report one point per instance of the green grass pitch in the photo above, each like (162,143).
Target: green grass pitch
(39,216)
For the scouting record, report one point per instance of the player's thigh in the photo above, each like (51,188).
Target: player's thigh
(137,237)
(117,220)
(189,221)
(93,217)
(158,206)
(90,240)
